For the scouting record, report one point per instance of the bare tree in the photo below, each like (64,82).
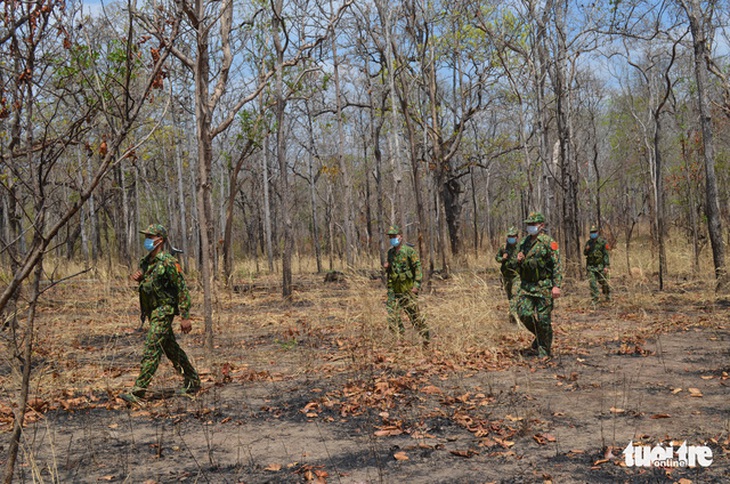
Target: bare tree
(57,100)
(700,22)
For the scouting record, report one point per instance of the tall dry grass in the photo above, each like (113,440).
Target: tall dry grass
(466,312)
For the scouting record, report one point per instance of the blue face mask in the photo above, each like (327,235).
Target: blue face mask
(594,235)
(533,229)
(394,242)
(511,240)
(149,244)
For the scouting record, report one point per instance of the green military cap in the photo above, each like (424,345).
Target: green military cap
(594,228)
(156,230)
(535,218)
(512,231)
(393,230)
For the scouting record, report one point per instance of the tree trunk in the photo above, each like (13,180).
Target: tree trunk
(205,160)
(181,211)
(313,195)
(659,183)
(267,204)
(699,42)
(26,365)
(284,189)
(347,217)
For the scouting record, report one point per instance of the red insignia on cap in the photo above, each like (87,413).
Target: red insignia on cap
(554,245)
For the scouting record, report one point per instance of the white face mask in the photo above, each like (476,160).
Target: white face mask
(533,229)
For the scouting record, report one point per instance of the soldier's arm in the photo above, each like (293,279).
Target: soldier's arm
(183,295)
(557,268)
(606,258)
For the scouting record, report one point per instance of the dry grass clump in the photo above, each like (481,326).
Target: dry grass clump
(467,313)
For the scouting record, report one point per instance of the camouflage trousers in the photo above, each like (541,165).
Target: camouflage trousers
(407,302)
(597,277)
(535,314)
(509,284)
(161,339)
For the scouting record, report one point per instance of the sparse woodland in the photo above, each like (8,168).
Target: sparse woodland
(278,140)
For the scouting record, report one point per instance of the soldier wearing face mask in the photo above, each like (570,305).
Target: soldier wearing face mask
(404,276)
(163,294)
(538,262)
(597,264)
(507,258)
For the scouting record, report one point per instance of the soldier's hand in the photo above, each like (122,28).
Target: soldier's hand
(386,266)
(556,292)
(605,270)
(137,276)
(505,256)
(185,326)
(414,290)
(520,257)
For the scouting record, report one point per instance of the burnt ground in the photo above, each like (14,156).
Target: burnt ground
(315,390)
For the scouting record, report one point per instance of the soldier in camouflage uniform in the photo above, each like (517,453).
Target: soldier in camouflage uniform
(403,270)
(597,264)
(163,294)
(538,263)
(507,257)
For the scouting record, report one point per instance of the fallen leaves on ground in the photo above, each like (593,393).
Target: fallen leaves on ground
(400,456)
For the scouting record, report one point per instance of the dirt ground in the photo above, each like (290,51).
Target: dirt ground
(317,390)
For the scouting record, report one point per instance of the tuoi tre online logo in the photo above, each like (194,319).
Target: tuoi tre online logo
(660,456)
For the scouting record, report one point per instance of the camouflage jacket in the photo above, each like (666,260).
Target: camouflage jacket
(163,285)
(596,252)
(404,271)
(509,266)
(540,270)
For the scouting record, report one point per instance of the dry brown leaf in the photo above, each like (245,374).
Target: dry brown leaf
(400,456)
(487,442)
(617,410)
(388,432)
(504,442)
(431,390)
(707,377)
(108,477)
(676,390)
(695,392)
(660,415)
(684,480)
(549,437)
(465,453)
(273,467)
(600,461)
(513,419)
